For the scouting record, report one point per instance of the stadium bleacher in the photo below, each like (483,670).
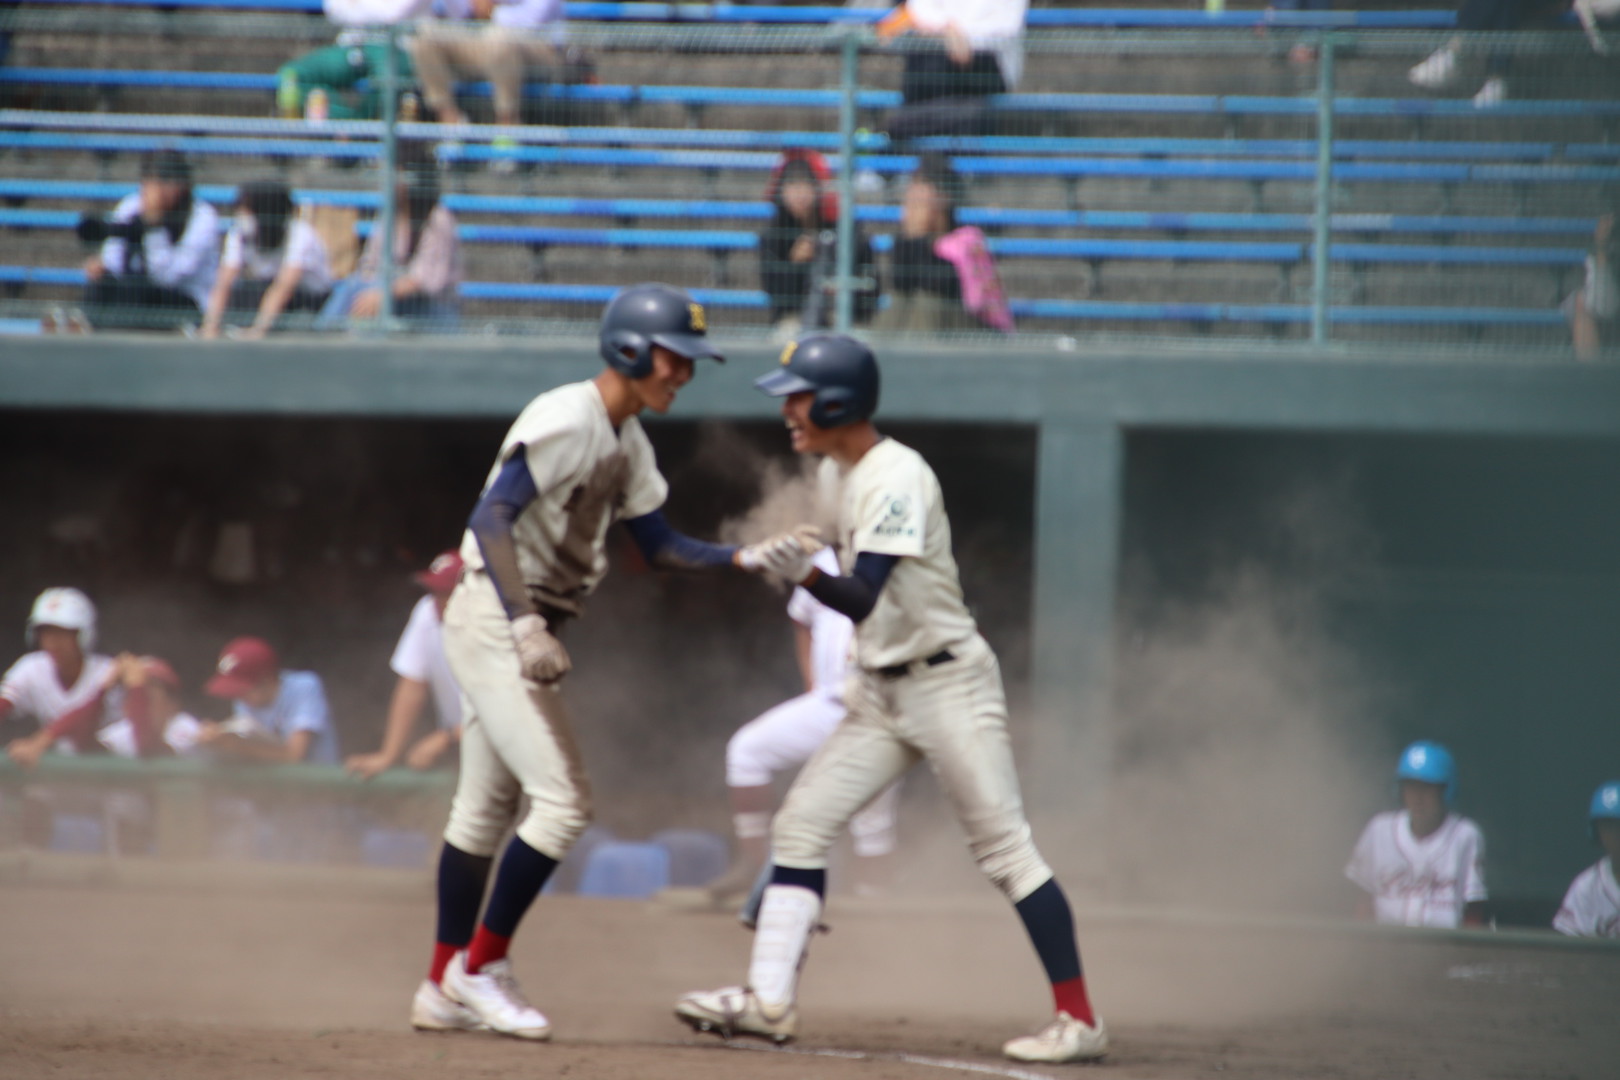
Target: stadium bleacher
(1120,192)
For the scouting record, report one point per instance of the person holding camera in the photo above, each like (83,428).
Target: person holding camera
(798,250)
(159,252)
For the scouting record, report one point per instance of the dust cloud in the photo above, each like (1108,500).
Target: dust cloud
(1242,762)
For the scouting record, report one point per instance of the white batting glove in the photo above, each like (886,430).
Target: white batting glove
(789,555)
(539,652)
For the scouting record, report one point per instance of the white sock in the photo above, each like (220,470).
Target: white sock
(787,915)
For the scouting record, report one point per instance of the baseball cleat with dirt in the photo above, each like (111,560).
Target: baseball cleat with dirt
(432,1011)
(1064,1039)
(736,1010)
(494,997)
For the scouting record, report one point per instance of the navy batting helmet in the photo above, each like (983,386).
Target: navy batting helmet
(842,372)
(641,316)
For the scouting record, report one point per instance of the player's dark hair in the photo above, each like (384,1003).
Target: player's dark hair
(271,205)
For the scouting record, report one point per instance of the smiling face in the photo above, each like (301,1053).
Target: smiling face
(803,433)
(670,372)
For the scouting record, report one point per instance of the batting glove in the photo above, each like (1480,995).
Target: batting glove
(789,555)
(539,652)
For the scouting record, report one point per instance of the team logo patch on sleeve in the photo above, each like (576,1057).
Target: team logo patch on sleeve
(897,518)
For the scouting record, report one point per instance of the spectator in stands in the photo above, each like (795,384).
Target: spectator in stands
(320,84)
(274,261)
(62,687)
(499,42)
(798,251)
(420,663)
(280,716)
(1593,310)
(426,251)
(154,724)
(1440,69)
(941,276)
(973,48)
(159,254)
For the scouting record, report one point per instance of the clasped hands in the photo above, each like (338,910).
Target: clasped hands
(786,555)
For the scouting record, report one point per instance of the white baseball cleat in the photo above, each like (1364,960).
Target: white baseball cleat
(1437,71)
(1064,1039)
(736,1010)
(432,1011)
(494,998)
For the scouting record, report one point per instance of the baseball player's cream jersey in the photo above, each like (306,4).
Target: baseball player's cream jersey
(890,503)
(830,632)
(1417,882)
(1591,908)
(420,656)
(32,687)
(586,475)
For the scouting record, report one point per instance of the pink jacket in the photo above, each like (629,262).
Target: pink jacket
(982,296)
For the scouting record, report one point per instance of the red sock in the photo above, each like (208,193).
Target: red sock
(487,947)
(1070,997)
(441,957)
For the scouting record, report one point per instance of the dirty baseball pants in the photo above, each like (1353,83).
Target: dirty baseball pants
(785,737)
(516,737)
(954,716)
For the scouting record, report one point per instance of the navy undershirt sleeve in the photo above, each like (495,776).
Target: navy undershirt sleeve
(856,595)
(491,524)
(667,549)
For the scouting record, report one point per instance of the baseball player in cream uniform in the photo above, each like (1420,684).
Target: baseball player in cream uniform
(785,736)
(1422,865)
(924,685)
(575,461)
(1591,907)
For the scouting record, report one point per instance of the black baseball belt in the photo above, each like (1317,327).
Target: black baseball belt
(895,671)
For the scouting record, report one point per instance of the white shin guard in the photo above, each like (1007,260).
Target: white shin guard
(787,916)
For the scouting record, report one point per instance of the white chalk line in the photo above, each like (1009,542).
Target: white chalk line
(876,1055)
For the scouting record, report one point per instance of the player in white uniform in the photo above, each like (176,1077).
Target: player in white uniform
(925,685)
(575,460)
(785,736)
(423,671)
(63,685)
(1591,908)
(1422,865)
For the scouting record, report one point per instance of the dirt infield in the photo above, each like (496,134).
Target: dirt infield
(302,982)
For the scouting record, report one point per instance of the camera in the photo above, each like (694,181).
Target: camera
(94,230)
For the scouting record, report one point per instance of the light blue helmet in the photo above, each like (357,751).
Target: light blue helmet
(1431,763)
(1605,805)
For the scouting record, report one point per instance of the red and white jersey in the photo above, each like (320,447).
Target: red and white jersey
(180,735)
(33,690)
(1592,905)
(1417,882)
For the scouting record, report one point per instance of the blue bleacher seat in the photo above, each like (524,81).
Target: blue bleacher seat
(626,870)
(78,834)
(696,856)
(409,849)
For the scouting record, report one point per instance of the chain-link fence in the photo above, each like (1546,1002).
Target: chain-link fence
(1254,175)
